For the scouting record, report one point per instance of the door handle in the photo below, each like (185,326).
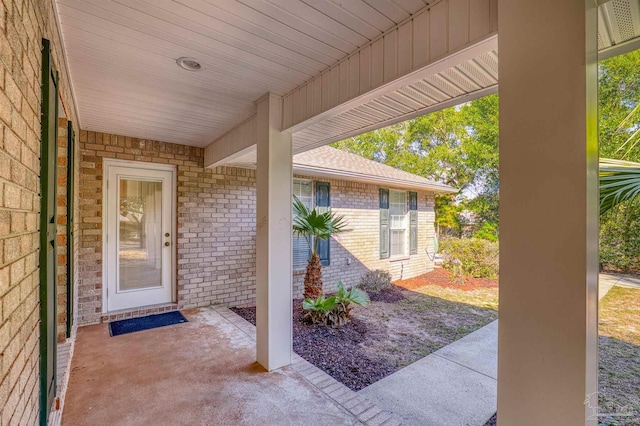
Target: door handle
(167,244)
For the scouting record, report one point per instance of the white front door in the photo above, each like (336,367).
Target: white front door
(139,234)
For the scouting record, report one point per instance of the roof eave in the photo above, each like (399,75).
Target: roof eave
(365,178)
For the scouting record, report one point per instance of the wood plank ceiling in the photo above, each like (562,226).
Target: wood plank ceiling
(122,55)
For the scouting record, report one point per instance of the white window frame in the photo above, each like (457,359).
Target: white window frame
(404,226)
(300,266)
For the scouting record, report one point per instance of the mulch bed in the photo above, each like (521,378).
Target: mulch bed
(391,295)
(441,277)
(398,328)
(338,351)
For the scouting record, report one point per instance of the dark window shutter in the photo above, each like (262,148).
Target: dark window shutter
(384,223)
(71,141)
(323,202)
(413,223)
(48,231)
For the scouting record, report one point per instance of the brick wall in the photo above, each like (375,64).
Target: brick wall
(356,251)
(215,250)
(216,228)
(23,24)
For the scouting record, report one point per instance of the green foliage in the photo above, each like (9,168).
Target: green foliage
(619,114)
(619,137)
(619,182)
(375,281)
(620,239)
(341,314)
(334,310)
(317,310)
(457,146)
(487,231)
(314,226)
(470,256)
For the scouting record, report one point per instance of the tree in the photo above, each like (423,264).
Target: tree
(457,146)
(619,137)
(313,227)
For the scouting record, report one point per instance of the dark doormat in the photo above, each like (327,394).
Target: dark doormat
(132,325)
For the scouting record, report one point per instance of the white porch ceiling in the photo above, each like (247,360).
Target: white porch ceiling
(122,56)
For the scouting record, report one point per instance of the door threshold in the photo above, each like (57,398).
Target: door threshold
(142,311)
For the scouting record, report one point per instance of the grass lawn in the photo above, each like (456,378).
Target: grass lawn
(428,318)
(619,375)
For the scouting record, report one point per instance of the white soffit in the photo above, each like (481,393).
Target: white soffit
(618,27)
(619,32)
(471,79)
(122,55)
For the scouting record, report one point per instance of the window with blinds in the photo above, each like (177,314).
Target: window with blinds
(398,223)
(303,189)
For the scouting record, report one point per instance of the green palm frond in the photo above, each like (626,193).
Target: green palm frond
(619,181)
(313,226)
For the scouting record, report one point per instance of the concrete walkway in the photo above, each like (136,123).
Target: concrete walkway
(456,385)
(608,281)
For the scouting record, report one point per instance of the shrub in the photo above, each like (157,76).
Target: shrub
(470,256)
(620,239)
(375,281)
(317,310)
(488,231)
(334,310)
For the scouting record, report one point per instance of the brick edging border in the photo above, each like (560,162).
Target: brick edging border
(357,405)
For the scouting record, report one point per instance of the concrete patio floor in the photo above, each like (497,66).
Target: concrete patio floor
(200,372)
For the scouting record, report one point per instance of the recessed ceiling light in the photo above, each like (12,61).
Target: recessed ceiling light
(188,64)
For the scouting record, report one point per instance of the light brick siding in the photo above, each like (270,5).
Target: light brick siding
(360,245)
(23,24)
(215,224)
(216,237)
(216,228)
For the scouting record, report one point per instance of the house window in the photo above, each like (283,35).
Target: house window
(398,222)
(303,189)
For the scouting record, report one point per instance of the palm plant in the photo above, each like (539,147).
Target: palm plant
(619,181)
(313,227)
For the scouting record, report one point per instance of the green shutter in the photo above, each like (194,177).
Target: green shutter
(71,141)
(413,223)
(384,224)
(323,202)
(47,259)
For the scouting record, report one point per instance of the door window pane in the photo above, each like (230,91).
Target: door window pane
(140,234)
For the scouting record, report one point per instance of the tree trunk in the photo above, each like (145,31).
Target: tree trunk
(313,278)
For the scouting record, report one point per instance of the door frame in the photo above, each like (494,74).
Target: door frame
(107,162)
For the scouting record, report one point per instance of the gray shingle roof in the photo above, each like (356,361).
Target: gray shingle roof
(329,162)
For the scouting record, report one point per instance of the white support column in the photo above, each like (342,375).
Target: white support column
(274,264)
(547,353)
